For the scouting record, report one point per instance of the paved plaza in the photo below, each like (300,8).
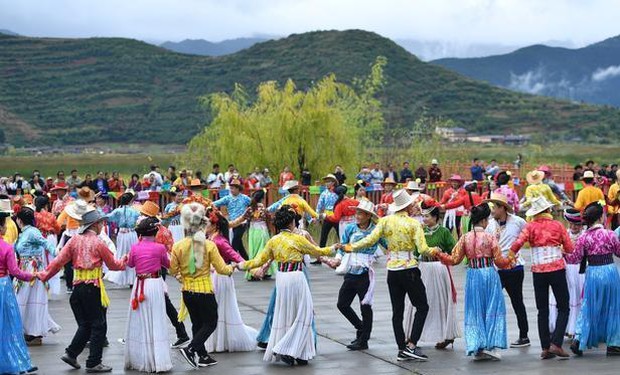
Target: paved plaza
(334,333)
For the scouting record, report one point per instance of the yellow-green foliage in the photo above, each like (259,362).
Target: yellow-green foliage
(330,123)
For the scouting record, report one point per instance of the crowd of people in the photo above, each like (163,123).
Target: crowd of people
(67,225)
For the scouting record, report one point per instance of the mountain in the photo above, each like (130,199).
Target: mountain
(80,91)
(8,32)
(590,74)
(205,48)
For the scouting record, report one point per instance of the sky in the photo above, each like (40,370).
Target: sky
(506,22)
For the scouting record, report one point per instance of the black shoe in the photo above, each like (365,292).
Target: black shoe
(402,357)
(98,369)
(316,262)
(66,358)
(613,350)
(359,345)
(415,353)
(32,370)
(288,360)
(189,356)
(520,343)
(262,345)
(206,361)
(574,347)
(301,362)
(181,342)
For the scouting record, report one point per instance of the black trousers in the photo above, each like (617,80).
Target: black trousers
(557,281)
(237,242)
(356,285)
(512,281)
(91,320)
(202,309)
(325,228)
(401,284)
(172,313)
(69,275)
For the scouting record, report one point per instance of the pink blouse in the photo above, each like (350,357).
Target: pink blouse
(597,241)
(476,244)
(8,263)
(148,256)
(511,195)
(226,251)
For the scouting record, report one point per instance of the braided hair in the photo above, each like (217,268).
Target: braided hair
(284,216)
(125,199)
(592,213)
(478,214)
(26,215)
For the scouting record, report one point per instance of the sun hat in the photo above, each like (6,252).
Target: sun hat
(89,218)
(291,184)
(389,181)
(413,185)
(500,200)
(434,162)
(366,206)
(588,174)
(539,204)
(330,177)
(535,177)
(402,200)
(150,209)
(86,194)
(77,209)
(60,186)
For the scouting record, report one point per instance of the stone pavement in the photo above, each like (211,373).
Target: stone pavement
(334,333)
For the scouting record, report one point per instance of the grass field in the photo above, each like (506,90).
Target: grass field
(139,163)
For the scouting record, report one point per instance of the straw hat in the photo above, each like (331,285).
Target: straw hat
(89,218)
(389,181)
(330,177)
(367,206)
(535,177)
(500,200)
(150,209)
(86,194)
(402,200)
(5,208)
(539,204)
(413,185)
(291,184)
(60,186)
(77,209)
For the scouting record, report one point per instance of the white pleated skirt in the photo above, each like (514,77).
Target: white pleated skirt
(441,322)
(177,231)
(147,344)
(575,282)
(33,307)
(231,335)
(291,331)
(54,282)
(124,242)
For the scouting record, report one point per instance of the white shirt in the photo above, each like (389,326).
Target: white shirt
(215,180)
(507,234)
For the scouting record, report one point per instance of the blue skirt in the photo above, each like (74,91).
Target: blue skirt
(14,356)
(485,311)
(599,320)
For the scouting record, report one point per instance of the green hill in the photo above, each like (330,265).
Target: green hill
(76,91)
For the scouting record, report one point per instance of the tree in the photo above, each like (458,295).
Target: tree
(329,123)
(2,136)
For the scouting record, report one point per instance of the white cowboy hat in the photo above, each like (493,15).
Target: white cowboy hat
(77,209)
(413,185)
(434,162)
(89,218)
(402,200)
(588,174)
(539,204)
(5,207)
(288,185)
(366,206)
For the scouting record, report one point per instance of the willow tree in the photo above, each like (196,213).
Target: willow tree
(329,123)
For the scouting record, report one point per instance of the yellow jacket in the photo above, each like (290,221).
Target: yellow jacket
(613,197)
(539,190)
(286,247)
(11,231)
(588,195)
(200,281)
(302,206)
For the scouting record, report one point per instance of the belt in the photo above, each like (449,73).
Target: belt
(290,266)
(481,263)
(138,296)
(600,260)
(96,276)
(427,259)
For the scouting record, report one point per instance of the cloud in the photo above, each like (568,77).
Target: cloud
(604,74)
(539,81)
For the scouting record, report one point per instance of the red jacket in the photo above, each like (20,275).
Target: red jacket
(463,200)
(386,198)
(345,207)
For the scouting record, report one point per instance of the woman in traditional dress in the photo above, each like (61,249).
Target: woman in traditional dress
(147,346)
(49,227)
(32,296)
(125,217)
(344,209)
(485,311)
(258,234)
(291,339)
(230,335)
(599,319)
(574,279)
(14,356)
(172,217)
(441,325)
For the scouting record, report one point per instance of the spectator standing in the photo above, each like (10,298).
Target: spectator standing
(434,172)
(578,172)
(265,181)
(215,180)
(421,173)
(390,173)
(306,177)
(406,174)
(340,176)
(376,174)
(74,180)
(286,175)
(477,172)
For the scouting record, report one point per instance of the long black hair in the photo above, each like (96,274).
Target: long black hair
(479,213)
(592,213)
(125,199)
(41,202)
(284,216)
(26,215)
(341,191)
(220,222)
